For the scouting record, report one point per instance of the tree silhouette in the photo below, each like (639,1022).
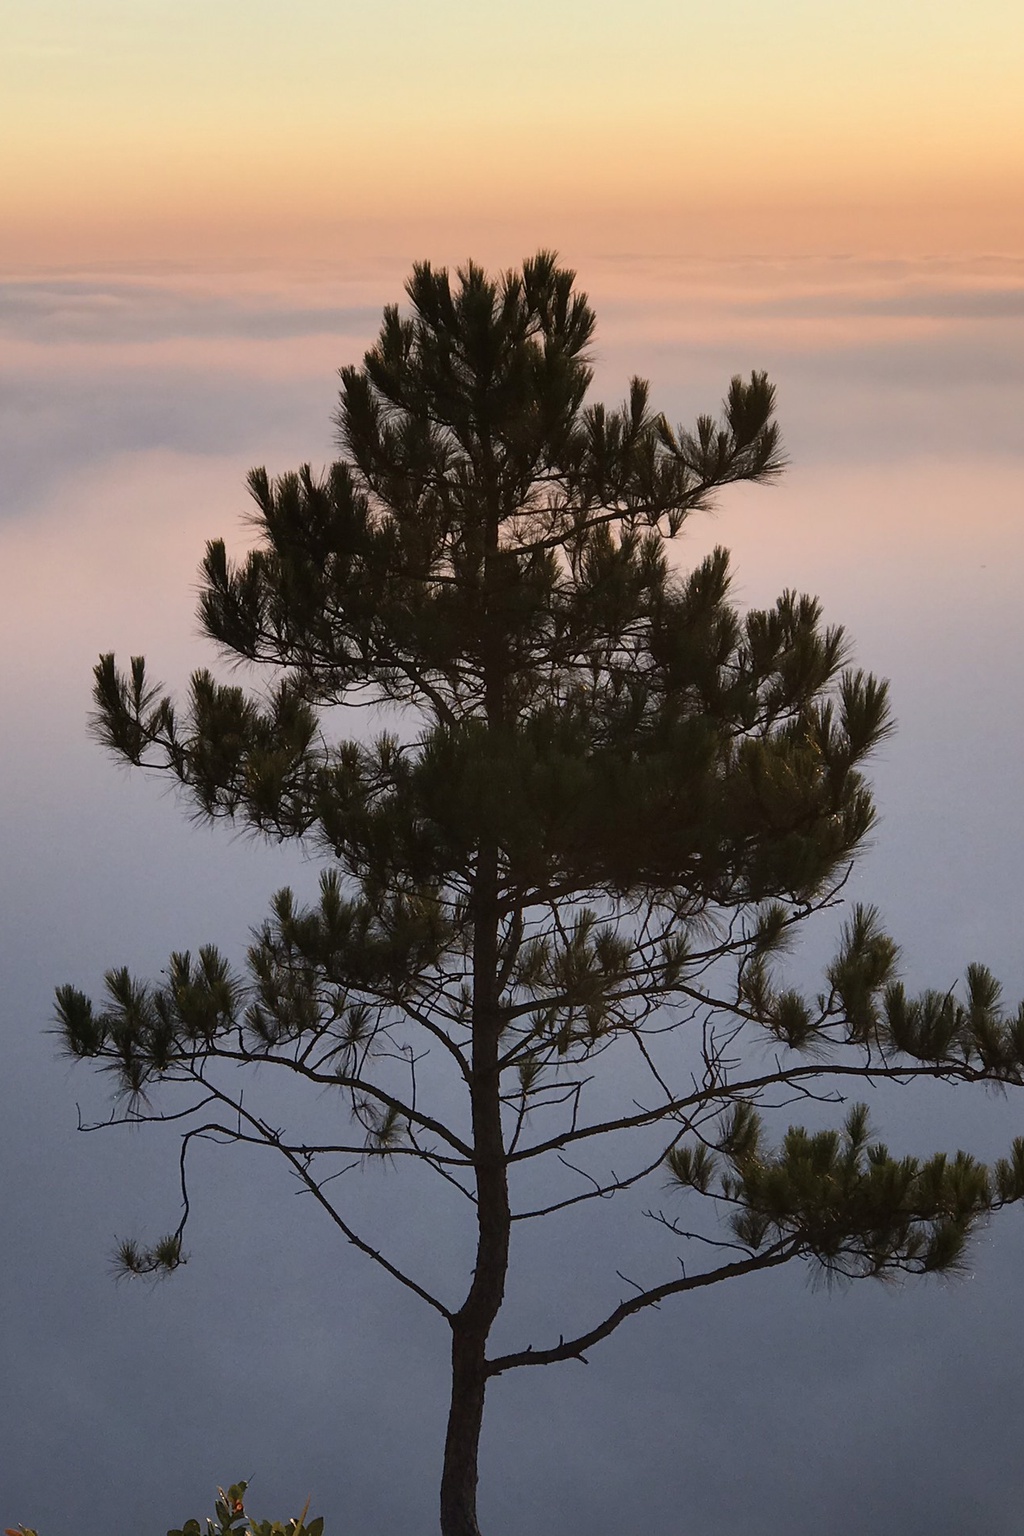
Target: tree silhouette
(608,802)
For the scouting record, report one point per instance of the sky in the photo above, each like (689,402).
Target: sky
(216,128)
(204,209)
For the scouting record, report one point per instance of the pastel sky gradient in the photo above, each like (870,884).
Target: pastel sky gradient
(203,206)
(146,128)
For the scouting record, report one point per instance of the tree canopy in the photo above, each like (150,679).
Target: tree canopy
(606,802)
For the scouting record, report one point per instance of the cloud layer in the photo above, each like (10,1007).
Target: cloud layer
(129,411)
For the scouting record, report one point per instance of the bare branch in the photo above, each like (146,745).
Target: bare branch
(573,1349)
(948,1071)
(265,1135)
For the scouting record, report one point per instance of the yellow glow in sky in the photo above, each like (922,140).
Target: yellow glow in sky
(129,122)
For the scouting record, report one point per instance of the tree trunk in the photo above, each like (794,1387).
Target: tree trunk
(471,1325)
(465,1418)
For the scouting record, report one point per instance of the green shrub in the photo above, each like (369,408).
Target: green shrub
(230,1519)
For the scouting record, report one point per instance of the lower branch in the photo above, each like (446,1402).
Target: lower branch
(264,1136)
(572,1349)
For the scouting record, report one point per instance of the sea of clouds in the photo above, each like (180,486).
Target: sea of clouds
(131,406)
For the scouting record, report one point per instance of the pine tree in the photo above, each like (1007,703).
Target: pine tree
(609,802)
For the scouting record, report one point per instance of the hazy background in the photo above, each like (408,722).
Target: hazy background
(204,209)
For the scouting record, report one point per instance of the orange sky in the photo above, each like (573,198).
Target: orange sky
(141,130)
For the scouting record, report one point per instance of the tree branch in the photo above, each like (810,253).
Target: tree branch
(943,1071)
(572,1349)
(269,1138)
